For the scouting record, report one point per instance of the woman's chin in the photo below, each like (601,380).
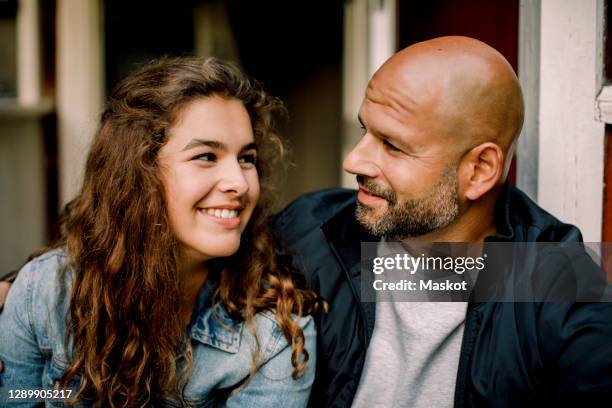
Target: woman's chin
(220,249)
(201,252)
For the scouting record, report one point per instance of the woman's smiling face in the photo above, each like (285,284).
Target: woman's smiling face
(209,174)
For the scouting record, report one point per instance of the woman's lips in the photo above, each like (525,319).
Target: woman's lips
(229,219)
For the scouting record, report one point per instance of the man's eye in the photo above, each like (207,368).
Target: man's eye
(206,157)
(248,159)
(390,146)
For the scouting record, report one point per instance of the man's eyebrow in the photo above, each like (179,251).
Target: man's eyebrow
(384,136)
(377,133)
(215,144)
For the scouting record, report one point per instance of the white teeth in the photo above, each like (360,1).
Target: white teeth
(222,213)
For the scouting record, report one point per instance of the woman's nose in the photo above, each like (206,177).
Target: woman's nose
(233,179)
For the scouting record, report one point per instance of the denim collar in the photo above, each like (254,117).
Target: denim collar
(212,325)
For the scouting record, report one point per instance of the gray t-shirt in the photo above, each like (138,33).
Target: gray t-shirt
(413,355)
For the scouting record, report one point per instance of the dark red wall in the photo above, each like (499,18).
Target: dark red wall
(494,22)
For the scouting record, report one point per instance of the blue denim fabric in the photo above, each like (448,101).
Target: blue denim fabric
(32,333)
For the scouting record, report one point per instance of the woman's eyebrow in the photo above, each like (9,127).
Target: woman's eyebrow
(250,146)
(215,144)
(200,142)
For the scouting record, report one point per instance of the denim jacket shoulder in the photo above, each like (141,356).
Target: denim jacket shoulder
(223,358)
(36,307)
(34,352)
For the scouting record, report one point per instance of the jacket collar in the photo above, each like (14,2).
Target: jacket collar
(505,230)
(345,234)
(212,325)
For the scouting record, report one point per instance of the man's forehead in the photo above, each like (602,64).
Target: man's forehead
(396,124)
(407,97)
(377,110)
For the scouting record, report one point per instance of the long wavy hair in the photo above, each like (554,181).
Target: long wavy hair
(123,319)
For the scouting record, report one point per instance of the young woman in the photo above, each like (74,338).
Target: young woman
(165,288)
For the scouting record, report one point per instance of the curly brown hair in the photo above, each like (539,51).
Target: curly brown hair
(123,318)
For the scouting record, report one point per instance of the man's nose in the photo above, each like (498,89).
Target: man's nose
(233,179)
(362,159)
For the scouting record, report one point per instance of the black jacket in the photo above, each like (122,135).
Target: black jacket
(512,354)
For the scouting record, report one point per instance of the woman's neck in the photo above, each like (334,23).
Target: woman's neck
(192,277)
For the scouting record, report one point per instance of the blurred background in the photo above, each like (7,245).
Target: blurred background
(60,58)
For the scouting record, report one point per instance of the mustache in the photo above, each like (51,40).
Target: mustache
(372,187)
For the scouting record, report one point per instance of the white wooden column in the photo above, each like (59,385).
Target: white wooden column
(22,155)
(213,34)
(369,40)
(529,76)
(382,33)
(28,53)
(80,84)
(571,140)
(560,153)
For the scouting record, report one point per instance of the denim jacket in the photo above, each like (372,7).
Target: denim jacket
(32,346)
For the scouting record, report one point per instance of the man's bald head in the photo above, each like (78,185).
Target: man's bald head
(468,88)
(440,119)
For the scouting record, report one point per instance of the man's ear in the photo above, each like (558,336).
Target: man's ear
(481,169)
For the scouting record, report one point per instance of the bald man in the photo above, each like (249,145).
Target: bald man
(440,121)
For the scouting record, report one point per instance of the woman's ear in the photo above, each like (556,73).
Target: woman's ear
(481,169)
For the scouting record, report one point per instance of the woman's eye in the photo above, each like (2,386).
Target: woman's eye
(248,159)
(390,146)
(206,157)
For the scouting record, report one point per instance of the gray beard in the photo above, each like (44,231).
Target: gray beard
(414,217)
